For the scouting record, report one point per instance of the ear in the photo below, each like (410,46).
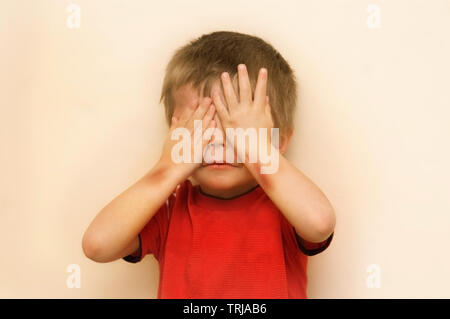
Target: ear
(284,140)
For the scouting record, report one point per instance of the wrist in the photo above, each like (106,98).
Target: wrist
(166,171)
(267,161)
(176,172)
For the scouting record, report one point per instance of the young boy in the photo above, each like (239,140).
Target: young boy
(222,229)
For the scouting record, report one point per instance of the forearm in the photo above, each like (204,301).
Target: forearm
(299,199)
(119,222)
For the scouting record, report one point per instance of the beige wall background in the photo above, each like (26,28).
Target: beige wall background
(80,122)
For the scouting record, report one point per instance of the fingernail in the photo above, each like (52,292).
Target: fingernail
(241,67)
(225,75)
(263,71)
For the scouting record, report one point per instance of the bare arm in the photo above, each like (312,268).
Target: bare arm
(298,198)
(113,233)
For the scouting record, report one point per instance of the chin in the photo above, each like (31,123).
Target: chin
(222,179)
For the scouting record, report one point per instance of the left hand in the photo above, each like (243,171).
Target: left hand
(245,112)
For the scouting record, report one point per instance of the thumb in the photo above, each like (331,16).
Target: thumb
(209,132)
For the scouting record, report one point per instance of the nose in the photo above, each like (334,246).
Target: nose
(218,123)
(210,154)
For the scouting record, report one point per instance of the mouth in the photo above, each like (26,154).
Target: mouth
(217,165)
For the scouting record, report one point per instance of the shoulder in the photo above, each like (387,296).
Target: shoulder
(179,193)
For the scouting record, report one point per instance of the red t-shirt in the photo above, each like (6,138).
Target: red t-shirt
(209,247)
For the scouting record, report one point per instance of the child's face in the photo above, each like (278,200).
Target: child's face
(223,180)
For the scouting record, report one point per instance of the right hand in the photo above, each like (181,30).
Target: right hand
(203,111)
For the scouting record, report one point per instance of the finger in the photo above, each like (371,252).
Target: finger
(218,125)
(202,108)
(186,112)
(208,116)
(209,132)
(199,113)
(230,95)
(245,92)
(218,122)
(206,122)
(261,86)
(267,107)
(221,108)
(268,110)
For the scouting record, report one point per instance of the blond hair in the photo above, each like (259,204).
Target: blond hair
(202,60)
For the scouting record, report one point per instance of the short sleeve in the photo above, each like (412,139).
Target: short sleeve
(152,236)
(294,241)
(309,248)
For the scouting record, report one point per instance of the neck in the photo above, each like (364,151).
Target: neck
(228,193)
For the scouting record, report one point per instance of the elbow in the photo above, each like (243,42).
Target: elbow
(92,248)
(325,225)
